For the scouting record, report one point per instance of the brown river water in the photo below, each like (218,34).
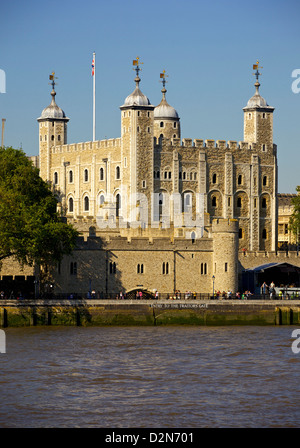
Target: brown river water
(149,377)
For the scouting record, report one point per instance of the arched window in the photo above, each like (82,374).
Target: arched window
(263,203)
(102,199)
(239,202)
(118,204)
(161,124)
(112,267)
(118,172)
(86,204)
(101,173)
(71,205)
(86,175)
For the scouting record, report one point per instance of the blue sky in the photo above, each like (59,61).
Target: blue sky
(206,47)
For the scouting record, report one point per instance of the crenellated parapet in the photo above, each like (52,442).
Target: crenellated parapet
(87,146)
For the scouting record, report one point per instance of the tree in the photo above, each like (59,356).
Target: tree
(295,218)
(31,230)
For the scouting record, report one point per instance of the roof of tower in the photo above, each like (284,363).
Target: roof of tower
(164,110)
(53,110)
(257,101)
(137,98)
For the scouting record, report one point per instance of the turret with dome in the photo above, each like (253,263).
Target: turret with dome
(166,118)
(258,118)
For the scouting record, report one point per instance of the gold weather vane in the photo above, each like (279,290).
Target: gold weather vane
(52,79)
(163,77)
(136,64)
(256,67)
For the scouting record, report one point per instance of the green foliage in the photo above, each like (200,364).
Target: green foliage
(30,228)
(295,218)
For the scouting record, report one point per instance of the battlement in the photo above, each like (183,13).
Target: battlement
(87,146)
(225,225)
(207,144)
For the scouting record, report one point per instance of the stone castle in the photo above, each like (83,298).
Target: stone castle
(161,212)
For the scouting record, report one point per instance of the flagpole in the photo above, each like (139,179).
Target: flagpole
(94,97)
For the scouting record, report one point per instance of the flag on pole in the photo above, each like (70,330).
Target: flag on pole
(255,66)
(93,67)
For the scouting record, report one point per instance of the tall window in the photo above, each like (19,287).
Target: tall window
(101,173)
(71,205)
(86,204)
(118,172)
(71,176)
(118,204)
(55,178)
(86,175)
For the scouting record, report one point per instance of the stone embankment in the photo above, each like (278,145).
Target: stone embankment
(16,313)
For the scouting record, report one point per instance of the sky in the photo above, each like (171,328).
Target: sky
(207,49)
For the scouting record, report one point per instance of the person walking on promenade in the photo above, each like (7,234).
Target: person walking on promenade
(264,288)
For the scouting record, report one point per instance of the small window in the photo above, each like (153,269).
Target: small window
(161,124)
(144,184)
(125,162)
(170,174)
(138,114)
(52,137)
(165,268)
(263,203)
(70,176)
(264,234)
(240,233)
(73,268)
(214,201)
(264,115)
(226,267)
(118,172)
(265,181)
(140,268)
(148,130)
(58,138)
(239,202)
(55,178)
(138,129)
(249,116)
(101,173)
(86,175)
(175,125)
(229,202)
(214,178)
(240,179)
(263,147)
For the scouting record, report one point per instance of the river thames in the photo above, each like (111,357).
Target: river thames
(150,377)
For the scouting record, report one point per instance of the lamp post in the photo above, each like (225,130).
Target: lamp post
(213,279)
